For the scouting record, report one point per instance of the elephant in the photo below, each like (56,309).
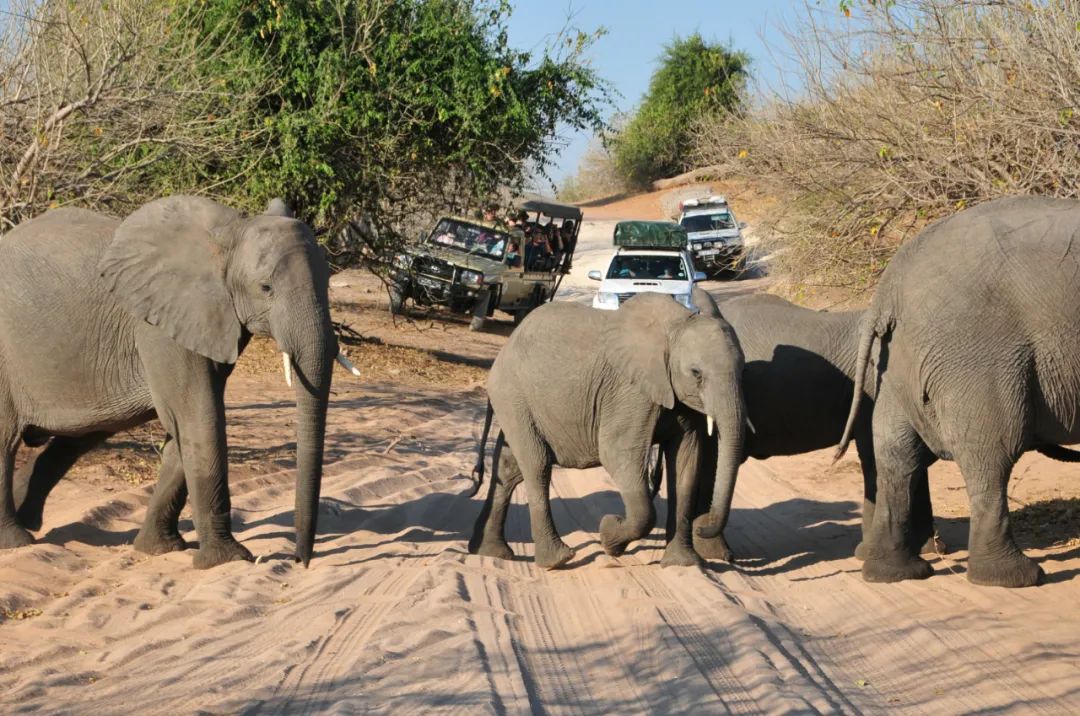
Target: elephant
(105,324)
(976,324)
(798,383)
(579,387)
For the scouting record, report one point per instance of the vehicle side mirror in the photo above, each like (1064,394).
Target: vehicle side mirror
(742,224)
(699,276)
(596,275)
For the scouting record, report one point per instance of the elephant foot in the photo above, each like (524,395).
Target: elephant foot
(680,554)
(14,536)
(220,551)
(1015,570)
(895,568)
(554,555)
(159,543)
(862,551)
(493,548)
(30,516)
(713,548)
(611,535)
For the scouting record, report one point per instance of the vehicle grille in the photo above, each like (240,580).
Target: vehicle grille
(433,267)
(625,296)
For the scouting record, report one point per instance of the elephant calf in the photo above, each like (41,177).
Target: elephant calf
(578,387)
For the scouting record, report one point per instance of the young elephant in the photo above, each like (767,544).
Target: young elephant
(578,387)
(105,324)
(978,326)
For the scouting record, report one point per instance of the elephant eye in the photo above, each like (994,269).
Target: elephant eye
(696,373)
(265,288)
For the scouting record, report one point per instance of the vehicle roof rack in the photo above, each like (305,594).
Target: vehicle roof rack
(712,200)
(650,235)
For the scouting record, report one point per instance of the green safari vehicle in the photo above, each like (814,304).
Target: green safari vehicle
(474,267)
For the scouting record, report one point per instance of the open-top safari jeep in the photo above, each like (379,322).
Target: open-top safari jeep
(475,266)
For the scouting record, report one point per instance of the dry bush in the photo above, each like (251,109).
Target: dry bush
(596,176)
(105,105)
(910,110)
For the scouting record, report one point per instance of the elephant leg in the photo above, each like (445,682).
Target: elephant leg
(889,552)
(189,396)
(629,469)
(864,445)
(35,480)
(922,517)
(534,463)
(12,535)
(160,532)
(994,560)
(687,454)
(488,536)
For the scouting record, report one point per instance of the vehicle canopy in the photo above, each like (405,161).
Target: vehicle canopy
(552,209)
(650,235)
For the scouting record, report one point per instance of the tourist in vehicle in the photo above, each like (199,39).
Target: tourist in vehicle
(537,251)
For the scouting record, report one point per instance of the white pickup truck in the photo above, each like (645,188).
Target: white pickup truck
(649,257)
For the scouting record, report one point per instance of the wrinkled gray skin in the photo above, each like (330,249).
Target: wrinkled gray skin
(977,329)
(106,324)
(579,387)
(797,383)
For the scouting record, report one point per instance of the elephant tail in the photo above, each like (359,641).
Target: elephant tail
(866,345)
(478,469)
(657,475)
(1059,453)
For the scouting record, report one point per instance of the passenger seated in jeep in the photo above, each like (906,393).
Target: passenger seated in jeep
(537,252)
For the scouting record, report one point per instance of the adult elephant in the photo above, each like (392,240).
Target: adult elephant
(578,387)
(798,384)
(977,324)
(105,324)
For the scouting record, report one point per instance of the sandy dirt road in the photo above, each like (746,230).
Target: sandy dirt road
(395,617)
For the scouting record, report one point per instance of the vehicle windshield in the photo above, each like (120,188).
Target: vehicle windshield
(470,238)
(708,222)
(661,268)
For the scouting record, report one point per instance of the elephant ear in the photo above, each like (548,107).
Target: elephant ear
(638,341)
(166,265)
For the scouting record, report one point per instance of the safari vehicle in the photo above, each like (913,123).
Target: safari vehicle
(716,240)
(474,267)
(649,256)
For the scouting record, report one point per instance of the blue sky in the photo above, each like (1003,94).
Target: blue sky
(637,31)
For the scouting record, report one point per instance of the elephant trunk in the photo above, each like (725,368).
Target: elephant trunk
(729,411)
(311,347)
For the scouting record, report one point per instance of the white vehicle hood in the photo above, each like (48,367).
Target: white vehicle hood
(643,285)
(721,234)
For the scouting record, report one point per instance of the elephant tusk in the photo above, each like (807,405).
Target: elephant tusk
(710,424)
(750,426)
(347,364)
(286,361)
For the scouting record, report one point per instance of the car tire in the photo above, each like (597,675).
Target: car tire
(480,311)
(397,300)
(519,315)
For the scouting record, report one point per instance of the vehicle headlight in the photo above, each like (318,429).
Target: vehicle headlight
(706,244)
(604,298)
(472,278)
(402,261)
(684,299)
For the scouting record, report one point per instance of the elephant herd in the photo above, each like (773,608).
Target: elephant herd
(969,351)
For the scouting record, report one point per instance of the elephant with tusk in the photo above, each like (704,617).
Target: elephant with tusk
(579,387)
(105,324)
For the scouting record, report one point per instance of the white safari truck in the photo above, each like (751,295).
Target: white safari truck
(715,235)
(649,256)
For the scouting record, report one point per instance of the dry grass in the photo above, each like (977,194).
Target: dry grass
(912,110)
(377,362)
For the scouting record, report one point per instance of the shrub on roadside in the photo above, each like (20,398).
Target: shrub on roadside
(910,110)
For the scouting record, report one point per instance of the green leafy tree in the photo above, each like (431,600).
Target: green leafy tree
(388,108)
(694,77)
